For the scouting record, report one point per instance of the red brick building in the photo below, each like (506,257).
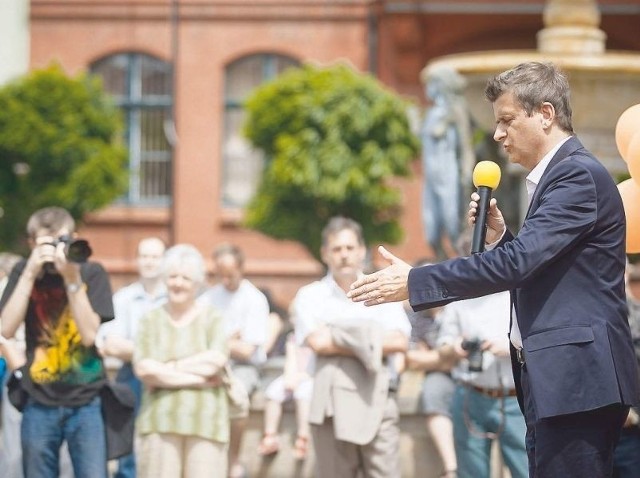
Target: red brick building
(190,178)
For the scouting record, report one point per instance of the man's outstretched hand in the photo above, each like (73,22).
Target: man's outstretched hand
(386,285)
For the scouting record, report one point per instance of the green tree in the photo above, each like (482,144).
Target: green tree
(333,138)
(59,145)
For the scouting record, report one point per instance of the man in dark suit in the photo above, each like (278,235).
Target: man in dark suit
(572,353)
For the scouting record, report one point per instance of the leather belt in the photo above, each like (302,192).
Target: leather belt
(492,392)
(520,356)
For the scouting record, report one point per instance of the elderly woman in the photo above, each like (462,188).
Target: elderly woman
(179,356)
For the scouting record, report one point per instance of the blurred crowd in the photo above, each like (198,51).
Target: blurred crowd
(156,379)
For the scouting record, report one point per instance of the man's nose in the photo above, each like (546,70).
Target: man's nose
(499,134)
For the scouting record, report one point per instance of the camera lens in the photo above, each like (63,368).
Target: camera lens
(78,251)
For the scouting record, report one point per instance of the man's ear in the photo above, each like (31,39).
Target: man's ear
(363,253)
(548,113)
(323,253)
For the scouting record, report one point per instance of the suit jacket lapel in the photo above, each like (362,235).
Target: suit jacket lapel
(569,147)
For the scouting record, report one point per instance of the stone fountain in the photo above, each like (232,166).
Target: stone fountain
(604,83)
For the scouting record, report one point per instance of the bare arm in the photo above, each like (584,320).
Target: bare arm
(290,365)
(394,341)
(166,375)
(206,364)
(84,316)
(275,327)
(240,350)
(452,353)
(321,342)
(15,309)
(430,360)
(86,319)
(118,347)
(14,356)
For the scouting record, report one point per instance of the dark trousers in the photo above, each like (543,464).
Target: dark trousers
(127,463)
(577,445)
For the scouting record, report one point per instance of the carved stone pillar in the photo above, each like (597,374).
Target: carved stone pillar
(571,26)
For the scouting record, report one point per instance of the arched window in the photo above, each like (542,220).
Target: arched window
(141,86)
(243,166)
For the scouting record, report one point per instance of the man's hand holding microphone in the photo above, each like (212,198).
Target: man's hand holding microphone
(390,284)
(484,215)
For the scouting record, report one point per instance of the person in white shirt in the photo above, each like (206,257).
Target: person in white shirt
(245,311)
(484,407)
(117,338)
(353,415)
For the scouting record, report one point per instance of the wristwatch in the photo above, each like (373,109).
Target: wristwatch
(74,287)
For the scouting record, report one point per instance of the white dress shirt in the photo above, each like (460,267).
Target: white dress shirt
(323,302)
(482,318)
(245,312)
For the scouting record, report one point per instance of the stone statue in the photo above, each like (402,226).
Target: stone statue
(448,158)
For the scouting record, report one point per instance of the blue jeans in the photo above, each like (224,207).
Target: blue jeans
(127,463)
(475,414)
(626,458)
(44,429)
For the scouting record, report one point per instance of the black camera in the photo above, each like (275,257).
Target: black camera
(474,347)
(76,250)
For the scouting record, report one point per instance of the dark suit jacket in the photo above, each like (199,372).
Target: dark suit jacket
(565,271)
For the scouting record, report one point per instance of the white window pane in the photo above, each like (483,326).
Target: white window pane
(242,166)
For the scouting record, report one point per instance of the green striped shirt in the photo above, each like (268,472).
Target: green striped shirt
(198,412)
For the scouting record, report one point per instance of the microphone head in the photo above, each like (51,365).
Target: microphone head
(486,173)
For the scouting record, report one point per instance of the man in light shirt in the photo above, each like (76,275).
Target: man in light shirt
(484,406)
(246,315)
(116,339)
(353,414)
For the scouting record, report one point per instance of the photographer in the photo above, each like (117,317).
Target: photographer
(61,303)
(484,406)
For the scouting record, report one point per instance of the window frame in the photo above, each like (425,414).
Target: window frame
(232,104)
(134,103)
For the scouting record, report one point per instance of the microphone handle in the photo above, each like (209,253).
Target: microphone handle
(480,229)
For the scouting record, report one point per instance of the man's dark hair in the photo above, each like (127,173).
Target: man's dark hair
(533,84)
(229,250)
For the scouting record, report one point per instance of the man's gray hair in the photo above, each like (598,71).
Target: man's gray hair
(340,223)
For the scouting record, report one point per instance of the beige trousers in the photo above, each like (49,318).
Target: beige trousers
(167,455)
(378,459)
